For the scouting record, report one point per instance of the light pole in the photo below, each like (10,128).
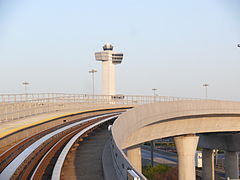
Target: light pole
(25,89)
(154,91)
(92,72)
(152,142)
(154,94)
(25,85)
(206,93)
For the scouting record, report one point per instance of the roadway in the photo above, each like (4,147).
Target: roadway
(161,157)
(169,158)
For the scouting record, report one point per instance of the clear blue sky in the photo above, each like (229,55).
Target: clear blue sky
(174,46)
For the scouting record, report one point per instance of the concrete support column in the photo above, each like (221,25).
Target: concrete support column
(186,149)
(135,157)
(231,164)
(208,164)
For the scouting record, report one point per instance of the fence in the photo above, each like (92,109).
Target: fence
(15,106)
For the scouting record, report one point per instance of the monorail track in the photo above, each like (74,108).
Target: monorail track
(46,151)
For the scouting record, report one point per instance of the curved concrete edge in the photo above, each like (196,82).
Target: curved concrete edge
(152,115)
(171,119)
(182,127)
(107,162)
(121,162)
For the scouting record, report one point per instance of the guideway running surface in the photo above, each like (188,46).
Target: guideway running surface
(85,162)
(9,171)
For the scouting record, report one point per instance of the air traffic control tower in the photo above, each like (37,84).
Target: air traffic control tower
(109,59)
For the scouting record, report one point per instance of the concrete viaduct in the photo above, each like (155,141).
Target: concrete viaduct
(209,124)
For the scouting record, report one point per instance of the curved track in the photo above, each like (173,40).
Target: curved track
(33,156)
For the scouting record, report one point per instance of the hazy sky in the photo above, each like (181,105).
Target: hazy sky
(174,46)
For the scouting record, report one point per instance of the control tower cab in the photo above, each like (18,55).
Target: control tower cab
(109,55)
(109,59)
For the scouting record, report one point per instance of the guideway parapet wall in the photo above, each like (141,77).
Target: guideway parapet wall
(17,106)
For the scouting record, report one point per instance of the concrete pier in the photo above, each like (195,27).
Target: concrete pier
(186,148)
(208,164)
(135,157)
(231,165)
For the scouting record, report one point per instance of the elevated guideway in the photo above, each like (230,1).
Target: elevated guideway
(27,117)
(13,131)
(21,111)
(17,106)
(191,122)
(183,120)
(34,156)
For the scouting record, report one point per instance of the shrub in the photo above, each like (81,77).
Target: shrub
(169,175)
(150,172)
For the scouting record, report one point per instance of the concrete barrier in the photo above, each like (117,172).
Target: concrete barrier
(121,163)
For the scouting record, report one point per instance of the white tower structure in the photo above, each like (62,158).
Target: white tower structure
(109,59)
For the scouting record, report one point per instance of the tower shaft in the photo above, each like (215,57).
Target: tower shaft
(108,78)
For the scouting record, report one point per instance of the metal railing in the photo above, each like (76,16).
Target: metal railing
(15,106)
